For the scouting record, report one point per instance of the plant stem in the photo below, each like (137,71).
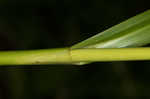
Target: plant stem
(67,56)
(48,56)
(112,54)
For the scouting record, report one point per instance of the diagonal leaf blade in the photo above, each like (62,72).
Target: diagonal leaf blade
(133,32)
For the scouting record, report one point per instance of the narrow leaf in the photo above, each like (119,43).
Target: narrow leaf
(133,32)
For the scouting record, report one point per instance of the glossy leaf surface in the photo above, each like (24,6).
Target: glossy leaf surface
(133,32)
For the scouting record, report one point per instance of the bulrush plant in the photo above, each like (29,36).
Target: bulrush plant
(121,42)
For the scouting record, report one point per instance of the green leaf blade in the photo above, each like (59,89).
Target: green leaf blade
(133,32)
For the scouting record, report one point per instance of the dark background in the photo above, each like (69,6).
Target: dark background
(29,24)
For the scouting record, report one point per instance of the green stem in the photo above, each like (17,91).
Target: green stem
(48,56)
(112,54)
(67,56)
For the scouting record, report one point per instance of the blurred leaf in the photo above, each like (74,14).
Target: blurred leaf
(133,32)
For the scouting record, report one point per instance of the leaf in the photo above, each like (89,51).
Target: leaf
(133,32)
